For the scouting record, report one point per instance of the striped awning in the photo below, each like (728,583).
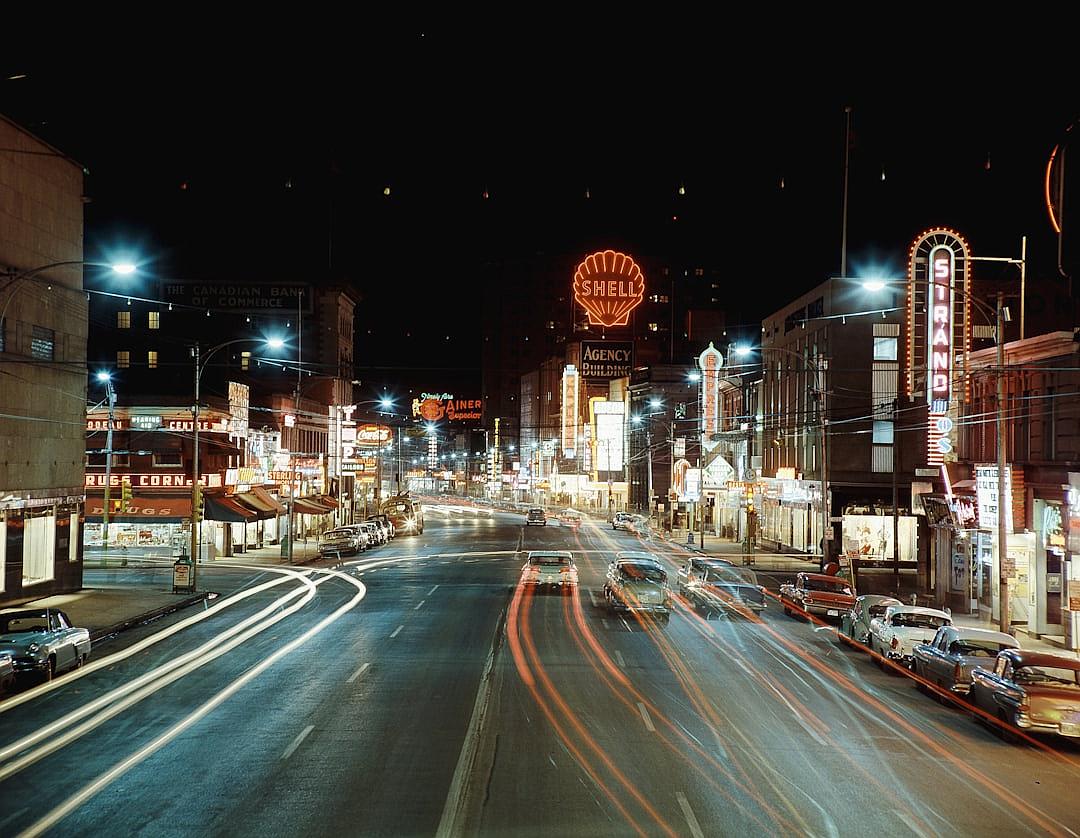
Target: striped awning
(311,506)
(259,502)
(223,508)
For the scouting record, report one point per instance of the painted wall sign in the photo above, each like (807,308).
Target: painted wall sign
(609,285)
(251,298)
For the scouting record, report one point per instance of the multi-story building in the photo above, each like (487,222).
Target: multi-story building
(43,327)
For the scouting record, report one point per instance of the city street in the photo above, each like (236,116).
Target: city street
(414,690)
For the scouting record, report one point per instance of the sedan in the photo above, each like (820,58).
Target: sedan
(949,659)
(1032,691)
(550,569)
(894,635)
(856,622)
(42,642)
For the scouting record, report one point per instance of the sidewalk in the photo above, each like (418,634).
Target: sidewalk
(761,558)
(1026,640)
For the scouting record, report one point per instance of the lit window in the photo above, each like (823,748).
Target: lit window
(123,320)
(155,320)
(151,359)
(699,272)
(123,359)
(883,432)
(245,360)
(39,548)
(654,327)
(884,349)
(42,343)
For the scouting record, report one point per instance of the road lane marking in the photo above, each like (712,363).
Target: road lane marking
(605,622)
(296,742)
(619,658)
(625,623)
(645,716)
(592,599)
(417,606)
(688,813)
(395,634)
(358,673)
(433,590)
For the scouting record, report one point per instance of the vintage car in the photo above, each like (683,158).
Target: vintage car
(637,556)
(535,515)
(550,569)
(856,622)
(817,593)
(638,585)
(7,672)
(895,633)
(948,660)
(570,518)
(340,542)
(621,521)
(1033,691)
(718,588)
(42,642)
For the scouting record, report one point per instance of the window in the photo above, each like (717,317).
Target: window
(73,538)
(120,460)
(123,359)
(884,349)
(167,458)
(154,318)
(883,432)
(151,359)
(43,343)
(653,327)
(39,548)
(123,320)
(3,549)
(699,272)
(245,360)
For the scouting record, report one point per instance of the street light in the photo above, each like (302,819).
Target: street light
(110,393)
(120,268)
(200,366)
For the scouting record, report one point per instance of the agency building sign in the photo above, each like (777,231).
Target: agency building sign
(603,360)
(609,285)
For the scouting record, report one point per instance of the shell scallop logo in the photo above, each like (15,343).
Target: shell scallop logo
(609,285)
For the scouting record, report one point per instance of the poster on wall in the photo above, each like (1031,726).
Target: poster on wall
(870,537)
(960,572)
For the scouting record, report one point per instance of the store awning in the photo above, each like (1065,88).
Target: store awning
(221,508)
(263,508)
(143,508)
(326,500)
(310,506)
(269,499)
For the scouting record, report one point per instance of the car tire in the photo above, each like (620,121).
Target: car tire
(50,670)
(787,611)
(1007,730)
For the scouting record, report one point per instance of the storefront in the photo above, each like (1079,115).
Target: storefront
(154,523)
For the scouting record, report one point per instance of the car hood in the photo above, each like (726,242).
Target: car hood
(830,597)
(17,643)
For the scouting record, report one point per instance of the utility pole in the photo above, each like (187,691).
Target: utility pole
(648,456)
(895,511)
(111,396)
(195,524)
(1003,552)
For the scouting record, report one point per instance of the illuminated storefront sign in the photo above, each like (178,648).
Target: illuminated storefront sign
(608,432)
(150,423)
(710,361)
(569,410)
(603,360)
(986,490)
(608,285)
(154,481)
(939,330)
(435,406)
(373,435)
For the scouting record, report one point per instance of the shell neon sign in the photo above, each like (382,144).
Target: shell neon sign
(609,285)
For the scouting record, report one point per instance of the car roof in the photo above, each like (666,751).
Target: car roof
(636,555)
(562,554)
(916,609)
(877,599)
(1026,657)
(827,577)
(966,633)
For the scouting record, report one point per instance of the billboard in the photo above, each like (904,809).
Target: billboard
(243,298)
(609,285)
(603,360)
(608,433)
(435,406)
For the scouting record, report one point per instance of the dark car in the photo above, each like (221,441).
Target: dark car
(535,515)
(1033,691)
(723,589)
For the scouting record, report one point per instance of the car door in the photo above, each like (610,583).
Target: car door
(64,642)
(939,663)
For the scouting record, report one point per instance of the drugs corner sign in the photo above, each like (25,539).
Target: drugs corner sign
(609,285)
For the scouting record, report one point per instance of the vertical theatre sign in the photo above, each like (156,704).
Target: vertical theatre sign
(938,334)
(609,285)
(569,411)
(710,361)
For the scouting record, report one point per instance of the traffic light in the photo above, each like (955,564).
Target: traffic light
(197,509)
(125,494)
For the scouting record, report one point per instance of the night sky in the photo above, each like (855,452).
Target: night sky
(218,156)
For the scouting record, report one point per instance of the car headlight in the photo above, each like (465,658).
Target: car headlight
(33,647)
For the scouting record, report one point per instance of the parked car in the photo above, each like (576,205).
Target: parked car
(363,537)
(895,633)
(374,533)
(550,569)
(381,525)
(639,525)
(7,672)
(638,585)
(1033,691)
(718,587)
(856,622)
(385,522)
(955,652)
(339,542)
(817,593)
(535,515)
(42,642)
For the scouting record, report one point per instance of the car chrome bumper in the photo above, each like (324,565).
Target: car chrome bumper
(1068,730)
(25,665)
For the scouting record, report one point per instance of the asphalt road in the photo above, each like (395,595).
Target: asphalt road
(416,691)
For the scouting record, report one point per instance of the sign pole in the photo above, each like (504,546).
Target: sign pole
(1003,552)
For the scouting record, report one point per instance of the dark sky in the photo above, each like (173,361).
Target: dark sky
(243,152)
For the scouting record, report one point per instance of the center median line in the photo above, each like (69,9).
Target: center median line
(296,742)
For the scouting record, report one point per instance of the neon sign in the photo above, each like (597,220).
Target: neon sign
(608,285)
(569,410)
(710,361)
(939,328)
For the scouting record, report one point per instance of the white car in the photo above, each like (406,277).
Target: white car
(902,627)
(550,569)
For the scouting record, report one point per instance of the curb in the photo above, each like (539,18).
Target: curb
(146,617)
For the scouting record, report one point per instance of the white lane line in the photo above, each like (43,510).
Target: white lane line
(396,631)
(592,599)
(433,590)
(296,742)
(688,813)
(619,658)
(358,673)
(420,603)
(645,717)
(625,623)
(605,622)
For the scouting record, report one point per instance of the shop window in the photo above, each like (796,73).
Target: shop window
(3,549)
(654,327)
(43,343)
(39,548)
(154,319)
(151,359)
(167,458)
(123,320)
(123,359)
(73,538)
(245,361)
(699,272)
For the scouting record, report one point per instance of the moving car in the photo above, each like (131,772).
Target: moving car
(718,587)
(622,521)
(535,515)
(816,593)
(42,642)
(637,556)
(570,518)
(1033,691)
(856,622)
(550,569)
(955,652)
(894,634)
(638,585)
(342,541)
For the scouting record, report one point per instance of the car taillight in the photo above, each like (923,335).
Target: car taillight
(809,599)
(895,643)
(564,570)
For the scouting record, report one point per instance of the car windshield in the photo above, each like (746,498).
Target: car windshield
(832,586)
(929,621)
(978,648)
(21,621)
(878,610)
(1050,675)
(553,561)
(642,571)
(726,575)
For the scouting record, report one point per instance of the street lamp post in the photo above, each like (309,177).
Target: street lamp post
(110,394)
